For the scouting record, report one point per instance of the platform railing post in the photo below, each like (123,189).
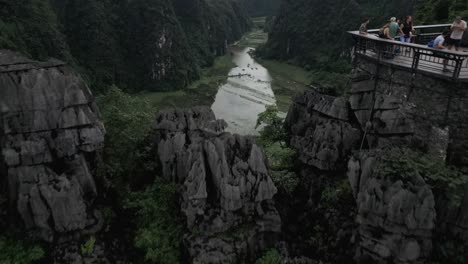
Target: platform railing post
(458,65)
(416,56)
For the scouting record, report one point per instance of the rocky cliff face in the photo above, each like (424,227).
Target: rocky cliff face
(227,192)
(399,218)
(395,217)
(50,136)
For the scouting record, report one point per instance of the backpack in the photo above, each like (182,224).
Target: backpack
(431,44)
(381,33)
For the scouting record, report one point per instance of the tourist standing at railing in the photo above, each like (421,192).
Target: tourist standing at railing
(439,43)
(407,30)
(364,26)
(394,29)
(458,29)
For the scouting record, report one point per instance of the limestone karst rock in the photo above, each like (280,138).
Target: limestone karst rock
(227,195)
(402,211)
(50,134)
(395,217)
(321,131)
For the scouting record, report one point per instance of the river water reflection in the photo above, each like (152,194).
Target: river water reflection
(246,94)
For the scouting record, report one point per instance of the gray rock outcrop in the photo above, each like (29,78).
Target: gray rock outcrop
(50,134)
(396,216)
(227,195)
(320,130)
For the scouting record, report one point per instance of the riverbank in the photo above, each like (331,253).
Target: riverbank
(287,80)
(201,92)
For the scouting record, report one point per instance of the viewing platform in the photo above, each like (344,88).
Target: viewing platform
(416,57)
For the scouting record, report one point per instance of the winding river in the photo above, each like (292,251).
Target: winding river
(246,94)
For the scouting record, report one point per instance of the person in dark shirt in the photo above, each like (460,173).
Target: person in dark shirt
(407,30)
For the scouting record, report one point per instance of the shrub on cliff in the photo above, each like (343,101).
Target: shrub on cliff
(281,158)
(128,120)
(271,257)
(159,223)
(447,182)
(273,130)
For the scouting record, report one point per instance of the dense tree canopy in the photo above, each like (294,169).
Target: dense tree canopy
(151,44)
(263,7)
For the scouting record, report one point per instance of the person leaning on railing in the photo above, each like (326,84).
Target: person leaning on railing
(439,43)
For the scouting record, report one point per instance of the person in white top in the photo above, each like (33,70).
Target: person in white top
(458,28)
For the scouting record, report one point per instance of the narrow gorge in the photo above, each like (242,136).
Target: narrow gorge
(187,131)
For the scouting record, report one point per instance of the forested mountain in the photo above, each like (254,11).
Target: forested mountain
(154,45)
(440,11)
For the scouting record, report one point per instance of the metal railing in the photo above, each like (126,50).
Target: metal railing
(423,34)
(448,64)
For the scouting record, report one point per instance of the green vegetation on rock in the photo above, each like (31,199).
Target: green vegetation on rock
(271,257)
(87,248)
(159,223)
(281,158)
(13,251)
(127,119)
(447,182)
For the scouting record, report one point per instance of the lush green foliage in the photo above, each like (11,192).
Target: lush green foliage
(271,257)
(281,158)
(128,120)
(331,233)
(13,251)
(160,226)
(87,248)
(446,181)
(273,130)
(338,193)
(31,27)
